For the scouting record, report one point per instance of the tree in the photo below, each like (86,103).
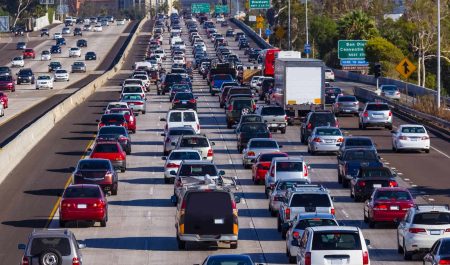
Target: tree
(357,25)
(324,33)
(21,6)
(177,5)
(381,50)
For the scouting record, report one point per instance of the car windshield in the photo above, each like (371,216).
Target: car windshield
(85,192)
(336,240)
(358,142)
(55,64)
(106,148)
(132,97)
(242,103)
(78,64)
(189,116)
(392,195)
(184,96)
(413,130)
(61,71)
(377,107)
(120,111)
(254,127)
(17,59)
(289,166)
(5,78)
(45,52)
(273,111)
(251,118)
(347,99)
(194,142)
(40,244)
(132,89)
(432,218)
(223,77)
(263,144)
(44,77)
(112,130)
(329,132)
(284,185)
(313,222)
(389,88)
(92,164)
(229,261)
(180,87)
(184,156)
(376,172)
(198,170)
(366,155)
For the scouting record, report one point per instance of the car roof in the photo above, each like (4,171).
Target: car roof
(83,186)
(198,162)
(392,189)
(303,216)
(263,140)
(335,228)
(282,159)
(51,232)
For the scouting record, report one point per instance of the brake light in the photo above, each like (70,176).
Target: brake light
(403,138)
(365,257)
(65,204)
(270,135)
(380,207)
(198,127)
(393,183)
(138,103)
(340,140)
(192,101)
(230,108)
(210,152)
(172,165)
(366,114)
(308,258)
(425,138)
(287,213)
(361,183)
(98,204)
(444,261)
(251,153)
(337,124)
(295,234)
(333,211)
(447,230)
(309,126)
(305,168)
(417,230)
(123,139)
(176,101)
(317,140)
(25,261)
(286,117)
(254,107)
(390,114)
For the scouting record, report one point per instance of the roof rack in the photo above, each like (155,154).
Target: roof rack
(424,207)
(220,182)
(299,187)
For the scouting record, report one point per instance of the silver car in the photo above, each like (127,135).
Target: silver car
(135,101)
(277,195)
(79,67)
(346,105)
(196,142)
(174,159)
(258,146)
(172,136)
(286,168)
(390,91)
(375,114)
(325,139)
(65,30)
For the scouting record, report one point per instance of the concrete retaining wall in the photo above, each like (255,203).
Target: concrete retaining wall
(22,144)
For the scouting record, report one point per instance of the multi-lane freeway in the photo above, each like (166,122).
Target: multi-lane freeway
(141,217)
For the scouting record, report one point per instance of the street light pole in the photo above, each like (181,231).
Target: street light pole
(289,25)
(306,25)
(438,98)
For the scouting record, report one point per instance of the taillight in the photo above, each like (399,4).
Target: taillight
(317,140)
(287,213)
(393,183)
(446,230)
(403,138)
(390,114)
(361,183)
(172,165)
(444,261)
(295,234)
(98,204)
(210,152)
(123,139)
(417,230)
(333,211)
(305,169)
(254,107)
(25,261)
(75,261)
(230,107)
(251,153)
(193,101)
(308,258)
(366,114)
(286,118)
(380,207)
(176,101)
(66,204)
(270,135)
(309,126)
(340,140)
(365,257)
(198,127)
(425,138)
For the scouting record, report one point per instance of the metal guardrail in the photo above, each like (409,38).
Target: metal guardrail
(251,33)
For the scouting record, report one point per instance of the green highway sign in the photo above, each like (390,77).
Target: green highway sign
(352,49)
(259,4)
(221,9)
(200,8)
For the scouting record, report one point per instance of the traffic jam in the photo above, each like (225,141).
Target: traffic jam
(203,74)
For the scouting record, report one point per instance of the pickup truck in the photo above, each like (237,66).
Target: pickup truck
(351,160)
(274,116)
(217,81)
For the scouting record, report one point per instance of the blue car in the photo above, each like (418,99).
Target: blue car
(60,41)
(217,81)
(55,49)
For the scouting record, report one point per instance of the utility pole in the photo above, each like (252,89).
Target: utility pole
(289,25)
(438,73)
(306,25)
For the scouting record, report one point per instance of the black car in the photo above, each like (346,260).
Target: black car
(238,35)
(331,94)
(184,100)
(25,75)
(53,66)
(315,119)
(115,133)
(90,56)
(253,55)
(55,49)
(368,179)
(229,33)
(81,43)
(251,130)
(77,32)
(351,160)
(21,45)
(177,88)
(45,32)
(224,24)
(243,43)
(18,31)
(60,41)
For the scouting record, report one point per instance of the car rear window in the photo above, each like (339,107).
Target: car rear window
(269,157)
(194,142)
(376,172)
(184,156)
(85,192)
(132,97)
(38,245)
(389,88)
(347,99)
(329,132)
(336,240)
(392,195)
(263,144)
(113,119)
(132,89)
(254,127)
(358,142)
(273,111)
(251,118)
(121,111)
(93,165)
(323,118)
(413,130)
(189,116)
(360,155)
(310,200)
(289,166)
(289,184)
(432,218)
(181,132)
(303,224)
(242,103)
(112,130)
(223,77)
(240,91)
(173,78)
(377,107)
(184,96)
(106,148)
(198,170)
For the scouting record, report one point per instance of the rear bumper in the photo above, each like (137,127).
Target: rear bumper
(119,164)
(350,110)
(208,238)
(83,215)
(388,216)
(325,147)
(276,125)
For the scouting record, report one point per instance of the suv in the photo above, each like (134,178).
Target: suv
(196,142)
(238,107)
(57,245)
(315,119)
(172,136)
(375,114)
(180,118)
(421,227)
(299,199)
(274,116)
(25,75)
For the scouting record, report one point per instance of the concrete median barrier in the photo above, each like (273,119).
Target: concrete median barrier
(12,154)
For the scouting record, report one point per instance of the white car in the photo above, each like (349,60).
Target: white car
(87,27)
(98,28)
(17,62)
(333,245)
(158,58)
(174,159)
(57,35)
(75,52)
(200,44)
(389,91)
(254,81)
(132,89)
(46,55)
(116,105)
(44,81)
(421,227)
(2,110)
(411,137)
(179,59)
(120,22)
(181,118)
(220,19)
(329,75)
(161,53)
(61,75)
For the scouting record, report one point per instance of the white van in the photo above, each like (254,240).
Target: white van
(182,118)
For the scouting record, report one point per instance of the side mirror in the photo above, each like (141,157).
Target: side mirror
(173,144)
(71,169)
(97,120)
(222,172)
(21,246)
(280,146)
(237,198)
(164,158)
(163,134)
(367,242)
(162,119)
(213,143)
(172,173)
(174,199)
(81,246)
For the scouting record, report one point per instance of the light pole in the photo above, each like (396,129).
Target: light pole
(438,73)
(306,26)
(289,25)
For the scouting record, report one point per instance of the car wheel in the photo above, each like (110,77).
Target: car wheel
(181,244)
(292,259)
(143,112)
(399,248)
(427,151)
(234,244)
(407,255)
(115,189)
(371,223)
(278,224)
(166,180)
(62,223)
(103,222)
(283,130)
(366,219)
(339,178)
(50,256)
(389,127)
(345,183)
(229,125)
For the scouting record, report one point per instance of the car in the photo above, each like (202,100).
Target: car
(90,56)
(115,105)
(197,142)
(111,150)
(298,226)
(133,89)
(303,198)
(5,71)
(25,75)
(267,83)
(172,135)
(229,33)
(61,41)
(110,119)
(87,27)
(422,226)
(239,35)
(329,75)
(82,43)
(57,245)
(46,55)
(346,105)
(116,133)
(145,80)
(21,45)
(278,192)
(331,243)
(83,202)
(254,55)
(28,53)
(61,75)
(388,204)
(174,159)
(77,32)
(120,22)
(97,28)
(331,93)
(135,101)
(133,81)
(231,90)
(389,91)
(7,82)
(182,118)
(78,67)
(57,35)
(96,171)
(257,146)
(184,100)
(274,116)
(217,80)
(375,114)
(55,49)
(65,30)
(130,118)
(243,43)
(75,52)
(238,107)
(325,139)
(351,142)
(53,66)
(44,81)
(262,164)
(4,101)
(17,62)
(250,130)
(410,137)
(161,53)
(254,81)
(285,168)
(315,119)
(351,160)
(439,253)
(231,259)
(368,179)
(248,118)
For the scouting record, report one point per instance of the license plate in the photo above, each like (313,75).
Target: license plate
(329,141)
(394,207)
(337,261)
(435,232)
(414,139)
(82,206)
(219,221)
(333,97)
(377,185)
(183,102)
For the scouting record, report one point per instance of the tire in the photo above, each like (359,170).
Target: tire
(166,181)
(344,183)
(123,169)
(181,244)
(407,255)
(229,125)
(366,219)
(62,223)
(359,126)
(283,234)
(292,259)
(339,178)
(389,127)
(115,189)
(427,151)
(234,244)
(272,212)
(143,112)
(371,223)
(283,131)
(399,248)
(103,222)
(278,224)
(50,256)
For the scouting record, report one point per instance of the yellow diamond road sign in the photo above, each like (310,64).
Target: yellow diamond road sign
(405,68)
(259,19)
(280,32)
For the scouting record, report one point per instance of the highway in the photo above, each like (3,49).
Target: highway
(141,218)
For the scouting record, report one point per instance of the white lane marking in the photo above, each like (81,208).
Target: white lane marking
(387,163)
(406,179)
(250,224)
(149,215)
(393,168)
(345,213)
(413,185)
(243,201)
(440,152)
(150,191)
(230,161)
(399,173)
(431,199)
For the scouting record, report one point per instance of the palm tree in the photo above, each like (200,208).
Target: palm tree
(357,25)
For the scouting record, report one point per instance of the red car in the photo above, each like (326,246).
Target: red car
(112,151)
(116,119)
(129,115)
(4,100)
(83,202)
(7,82)
(262,165)
(28,53)
(387,204)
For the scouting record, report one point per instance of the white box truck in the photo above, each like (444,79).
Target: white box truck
(299,86)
